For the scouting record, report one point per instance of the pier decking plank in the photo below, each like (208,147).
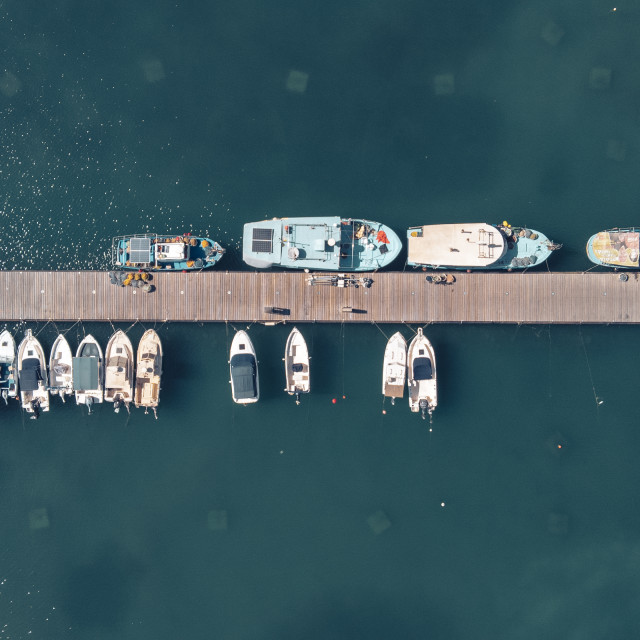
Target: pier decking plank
(218,296)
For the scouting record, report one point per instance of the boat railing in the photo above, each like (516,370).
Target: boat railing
(485,244)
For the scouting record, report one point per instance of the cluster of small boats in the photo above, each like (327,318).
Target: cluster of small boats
(92,378)
(415,367)
(328,243)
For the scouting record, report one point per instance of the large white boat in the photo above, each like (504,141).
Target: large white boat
(394,367)
(61,368)
(423,391)
(148,372)
(34,391)
(88,373)
(118,373)
(296,365)
(243,365)
(8,366)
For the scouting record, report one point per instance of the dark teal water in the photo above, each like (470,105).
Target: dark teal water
(121,117)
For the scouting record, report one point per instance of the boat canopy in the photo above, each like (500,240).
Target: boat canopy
(422,369)
(617,247)
(140,250)
(456,245)
(30,374)
(85,374)
(168,251)
(243,372)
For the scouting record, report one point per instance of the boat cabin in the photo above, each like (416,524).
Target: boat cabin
(172,251)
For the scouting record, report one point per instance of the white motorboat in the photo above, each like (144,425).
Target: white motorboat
(118,373)
(148,372)
(423,393)
(61,368)
(394,367)
(296,365)
(88,373)
(243,365)
(34,392)
(8,366)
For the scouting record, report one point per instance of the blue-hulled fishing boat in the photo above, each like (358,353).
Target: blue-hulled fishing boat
(320,243)
(151,251)
(477,246)
(618,248)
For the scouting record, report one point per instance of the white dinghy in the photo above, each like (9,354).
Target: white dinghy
(296,365)
(423,393)
(61,368)
(34,391)
(394,367)
(118,373)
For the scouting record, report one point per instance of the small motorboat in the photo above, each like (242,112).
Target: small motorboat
(243,364)
(394,367)
(88,373)
(423,393)
(148,372)
(296,365)
(8,367)
(118,373)
(61,368)
(34,392)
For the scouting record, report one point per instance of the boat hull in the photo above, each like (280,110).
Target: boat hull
(243,369)
(320,244)
(32,366)
(118,375)
(61,368)
(8,366)
(615,248)
(421,375)
(296,364)
(148,371)
(88,373)
(394,368)
(165,253)
(519,248)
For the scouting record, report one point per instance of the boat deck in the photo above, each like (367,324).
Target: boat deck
(219,296)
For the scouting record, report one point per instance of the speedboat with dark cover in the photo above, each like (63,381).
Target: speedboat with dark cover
(243,365)
(8,366)
(618,248)
(394,367)
(88,373)
(320,243)
(473,246)
(34,390)
(177,253)
(296,365)
(118,372)
(422,381)
(148,372)
(61,368)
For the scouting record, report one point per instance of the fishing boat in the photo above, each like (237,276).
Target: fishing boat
(118,372)
(477,246)
(148,372)
(618,248)
(423,392)
(394,367)
(61,368)
(34,392)
(243,365)
(88,373)
(319,243)
(177,253)
(296,365)
(8,367)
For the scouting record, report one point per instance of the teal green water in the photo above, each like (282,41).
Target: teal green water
(122,118)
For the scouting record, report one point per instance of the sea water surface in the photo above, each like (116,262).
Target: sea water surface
(515,514)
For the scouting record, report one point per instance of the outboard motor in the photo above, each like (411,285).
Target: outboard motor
(35,407)
(424,405)
(89,403)
(117,403)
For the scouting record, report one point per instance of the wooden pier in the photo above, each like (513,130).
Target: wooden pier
(219,296)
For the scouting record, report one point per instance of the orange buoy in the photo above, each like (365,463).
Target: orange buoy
(333,401)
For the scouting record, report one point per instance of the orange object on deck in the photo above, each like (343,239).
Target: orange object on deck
(382,237)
